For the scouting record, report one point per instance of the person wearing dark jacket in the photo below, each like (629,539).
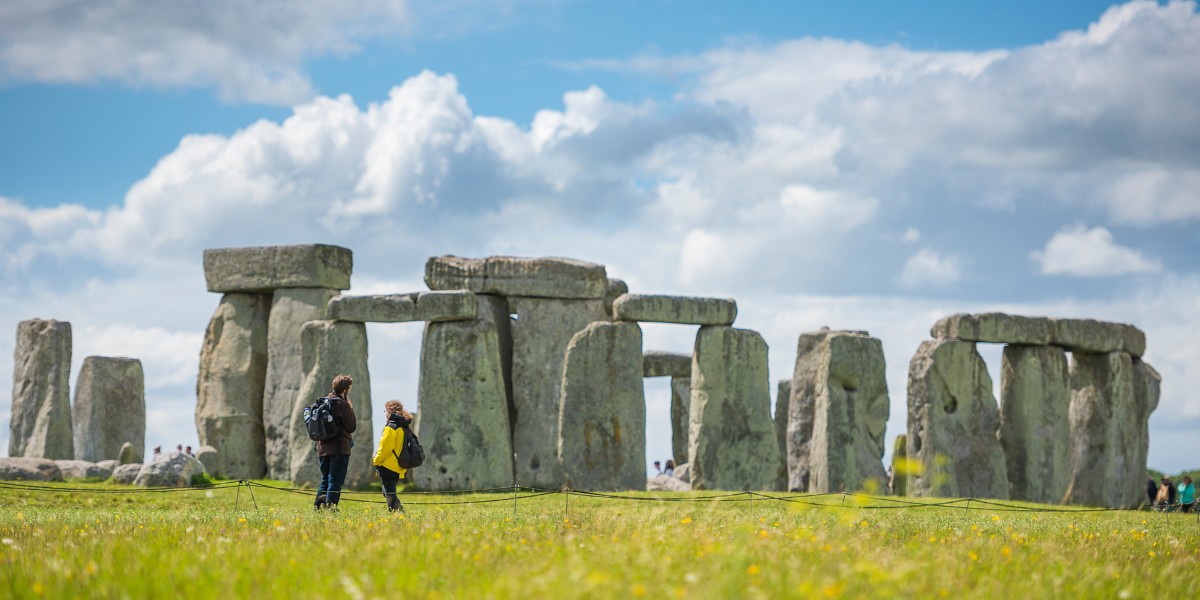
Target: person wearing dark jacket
(334,454)
(391,443)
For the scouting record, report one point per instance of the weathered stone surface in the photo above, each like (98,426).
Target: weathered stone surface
(108,465)
(1098,337)
(464,403)
(541,332)
(666,364)
(616,288)
(170,469)
(686,310)
(110,407)
(900,466)
(997,328)
(731,439)
(40,426)
(29,469)
(850,411)
(456,305)
(681,403)
(1035,428)
(783,397)
(229,389)
(952,424)
(126,474)
(666,483)
(128,454)
(266,268)
(329,349)
(801,407)
(602,437)
(1147,386)
(82,469)
(1105,432)
(514,276)
(291,308)
(684,473)
(208,455)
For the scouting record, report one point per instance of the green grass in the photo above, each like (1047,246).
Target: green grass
(196,544)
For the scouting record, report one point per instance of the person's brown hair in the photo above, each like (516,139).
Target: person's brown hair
(341,384)
(395,407)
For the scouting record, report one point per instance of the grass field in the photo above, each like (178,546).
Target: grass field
(197,544)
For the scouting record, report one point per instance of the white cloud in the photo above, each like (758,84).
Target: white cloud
(1084,252)
(911,235)
(251,51)
(929,268)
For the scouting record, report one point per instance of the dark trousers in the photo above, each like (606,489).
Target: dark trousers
(333,475)
(389,479)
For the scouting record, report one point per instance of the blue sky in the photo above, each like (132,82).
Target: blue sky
(869,165)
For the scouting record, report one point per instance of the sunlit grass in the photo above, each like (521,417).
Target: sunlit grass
(197,544)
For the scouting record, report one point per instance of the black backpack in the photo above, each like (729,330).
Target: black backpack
(411,454)
(319,418)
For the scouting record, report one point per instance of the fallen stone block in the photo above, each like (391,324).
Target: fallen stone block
(514,276)
(666,483)
(997,328)
(29,469)
(684,310)
(263,269)
(82,469)
(433,307)
(170,469)
(666,364)
(126,474)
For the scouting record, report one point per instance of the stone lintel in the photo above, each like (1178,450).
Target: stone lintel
(684,310)
(262,269)
(434,307)
(666,364)
(547,277)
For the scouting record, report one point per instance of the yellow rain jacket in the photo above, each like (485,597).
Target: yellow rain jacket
(390,444)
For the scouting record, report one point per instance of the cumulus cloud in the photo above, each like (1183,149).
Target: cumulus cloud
(252,51)
(930,268)
(1084,252)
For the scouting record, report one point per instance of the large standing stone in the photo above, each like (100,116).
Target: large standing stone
(681,402)
(952,424)
(1147,385)
(465,429)
(541,332)
(1098,337)
(291,308)
(850,411)
(616,288)
(997,328)
(457,305)
(783,397)
(40,425)
(801,407)
(229,389)
(900,466)
(602,438)
(731,438)
(685,310)
(514,276)
(264,269)
(128,454)
(110,408)
(1105,432)
(1035,428)
(329,349)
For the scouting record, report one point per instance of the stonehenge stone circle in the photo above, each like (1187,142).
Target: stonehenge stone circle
(291,308)
(844,374)
(685,310)
(616,288)
(28,468)
(458,305)
(952,423)
(681,402)
(264,269)
(110,408)
(40,425)
(1035,403)
(996,328)
(563,278)
(1105,432)
(465,430)
(602,421)
(229,389)
(666,364)
(731,440)
(541,331)
(331,348)
(783,398)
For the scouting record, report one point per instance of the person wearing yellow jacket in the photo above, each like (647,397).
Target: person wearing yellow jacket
(390,444)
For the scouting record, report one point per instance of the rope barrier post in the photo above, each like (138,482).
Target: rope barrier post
(238,496)
(566,492)
(967,508)
(250,489)
(843,498)
(516,487)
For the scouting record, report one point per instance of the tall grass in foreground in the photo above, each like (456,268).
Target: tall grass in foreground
(195,544)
